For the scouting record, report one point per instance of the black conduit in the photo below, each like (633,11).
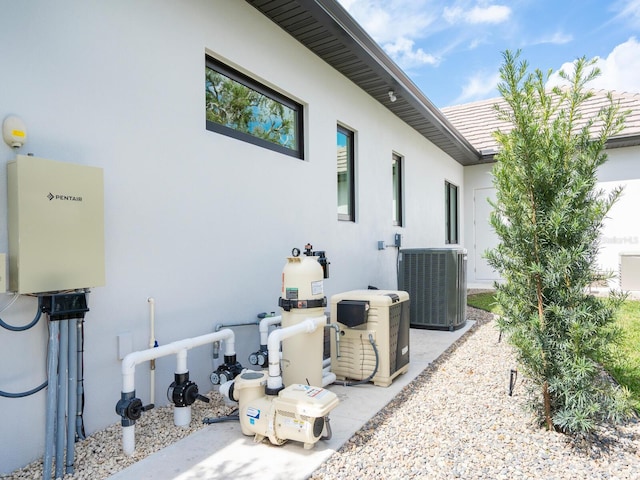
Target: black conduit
(25,327)
(23,394)
(373,374)
(22,329)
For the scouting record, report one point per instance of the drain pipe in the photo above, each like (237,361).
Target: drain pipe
(152,343)
(309,325)
(129,407)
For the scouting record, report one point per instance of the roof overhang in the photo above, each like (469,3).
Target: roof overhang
(328,30)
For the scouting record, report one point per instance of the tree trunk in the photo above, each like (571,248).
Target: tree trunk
(547,406)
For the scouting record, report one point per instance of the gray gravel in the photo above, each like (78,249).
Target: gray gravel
(455,420)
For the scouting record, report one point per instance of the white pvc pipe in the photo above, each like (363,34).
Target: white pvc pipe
(328,378)
(131,360)
(152,343)
(129,439)
(265,323)
(309,325)
(181,415)
(178,348)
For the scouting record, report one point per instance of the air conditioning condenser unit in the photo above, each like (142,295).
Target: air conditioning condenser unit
(436,280)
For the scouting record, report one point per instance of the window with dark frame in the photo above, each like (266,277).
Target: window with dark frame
(396,162)
(242,108)
(452,213)
(346,177)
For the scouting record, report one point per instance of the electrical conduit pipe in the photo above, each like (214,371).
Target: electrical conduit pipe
(274,380)
(178,348)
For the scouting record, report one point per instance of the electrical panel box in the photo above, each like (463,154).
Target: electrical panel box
(630,271)
(56,225)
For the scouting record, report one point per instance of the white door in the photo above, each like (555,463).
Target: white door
(484,236)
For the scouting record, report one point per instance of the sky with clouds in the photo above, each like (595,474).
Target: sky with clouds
(452,49)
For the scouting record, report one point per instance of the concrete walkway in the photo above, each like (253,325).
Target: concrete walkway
(221,451)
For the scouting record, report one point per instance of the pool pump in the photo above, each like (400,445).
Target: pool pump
(298,412)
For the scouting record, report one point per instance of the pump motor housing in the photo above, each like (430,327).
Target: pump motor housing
(297,413)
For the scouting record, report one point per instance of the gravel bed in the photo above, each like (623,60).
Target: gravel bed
(455,420)
(100,455)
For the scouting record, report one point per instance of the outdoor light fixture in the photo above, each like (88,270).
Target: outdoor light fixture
(392,96)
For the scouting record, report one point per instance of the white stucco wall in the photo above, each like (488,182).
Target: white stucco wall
(198,221)
(621,230)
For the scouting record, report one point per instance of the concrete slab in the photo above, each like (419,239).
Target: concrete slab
(221,451)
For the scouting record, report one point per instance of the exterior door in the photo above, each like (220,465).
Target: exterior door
(484,236)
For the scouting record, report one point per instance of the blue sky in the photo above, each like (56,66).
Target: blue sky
(452,49)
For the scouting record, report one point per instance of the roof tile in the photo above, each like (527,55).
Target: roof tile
(478,121)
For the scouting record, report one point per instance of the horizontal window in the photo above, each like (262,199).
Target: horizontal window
(242,108)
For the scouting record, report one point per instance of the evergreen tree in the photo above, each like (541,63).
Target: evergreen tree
(548,216)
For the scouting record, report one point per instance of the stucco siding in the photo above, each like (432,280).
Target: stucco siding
(201,222)
(620,233)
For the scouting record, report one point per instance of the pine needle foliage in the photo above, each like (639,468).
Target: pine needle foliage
(548,216)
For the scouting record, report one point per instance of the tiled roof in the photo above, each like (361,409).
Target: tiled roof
(477,121)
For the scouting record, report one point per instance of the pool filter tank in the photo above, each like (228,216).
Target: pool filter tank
(299,412)
(302,297)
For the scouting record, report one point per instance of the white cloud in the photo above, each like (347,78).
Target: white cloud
(403,52)
(558,38)
(628,12)
(479,86)
(395,24)
(620,70)
(388,20)
(492,14)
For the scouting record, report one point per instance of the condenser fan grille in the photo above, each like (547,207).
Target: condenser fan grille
(436,282)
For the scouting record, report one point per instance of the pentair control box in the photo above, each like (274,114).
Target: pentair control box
(56,225)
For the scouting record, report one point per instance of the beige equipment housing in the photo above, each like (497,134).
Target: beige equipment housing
(367,318)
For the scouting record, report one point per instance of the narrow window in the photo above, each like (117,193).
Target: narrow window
(240,107)
(451,205)
(346,183)
(396,163)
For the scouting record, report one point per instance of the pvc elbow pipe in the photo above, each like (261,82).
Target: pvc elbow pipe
(179,348)
(274,380)
(265,323)
(328,378)
(131,360)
